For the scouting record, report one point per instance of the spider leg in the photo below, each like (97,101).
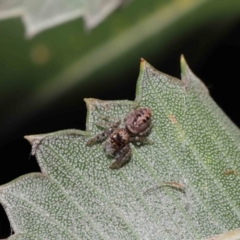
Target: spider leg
(106,124)
(103,135)
(122,157)
(108,148)
(100,137)
(107,118)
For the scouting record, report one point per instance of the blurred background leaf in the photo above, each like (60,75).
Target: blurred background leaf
(40,15)
(43,80)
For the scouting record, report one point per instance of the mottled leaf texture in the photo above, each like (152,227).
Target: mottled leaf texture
(195,150)
(40,15)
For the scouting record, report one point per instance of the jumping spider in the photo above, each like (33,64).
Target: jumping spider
(137,125)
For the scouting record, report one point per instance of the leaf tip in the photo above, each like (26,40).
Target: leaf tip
(86,100)
(90,101)
(90,104)
(28,138)
(183,63)
(34,140)
(189,78)
(142,63)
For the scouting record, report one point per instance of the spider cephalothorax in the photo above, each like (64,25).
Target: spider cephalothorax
(138,122)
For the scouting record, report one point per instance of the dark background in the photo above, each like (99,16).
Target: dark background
(216,62)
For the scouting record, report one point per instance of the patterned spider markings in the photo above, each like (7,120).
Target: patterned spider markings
(116,140)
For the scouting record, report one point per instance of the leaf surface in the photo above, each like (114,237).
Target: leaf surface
(77,196)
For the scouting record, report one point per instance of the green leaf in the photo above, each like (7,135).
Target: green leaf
(77,196)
